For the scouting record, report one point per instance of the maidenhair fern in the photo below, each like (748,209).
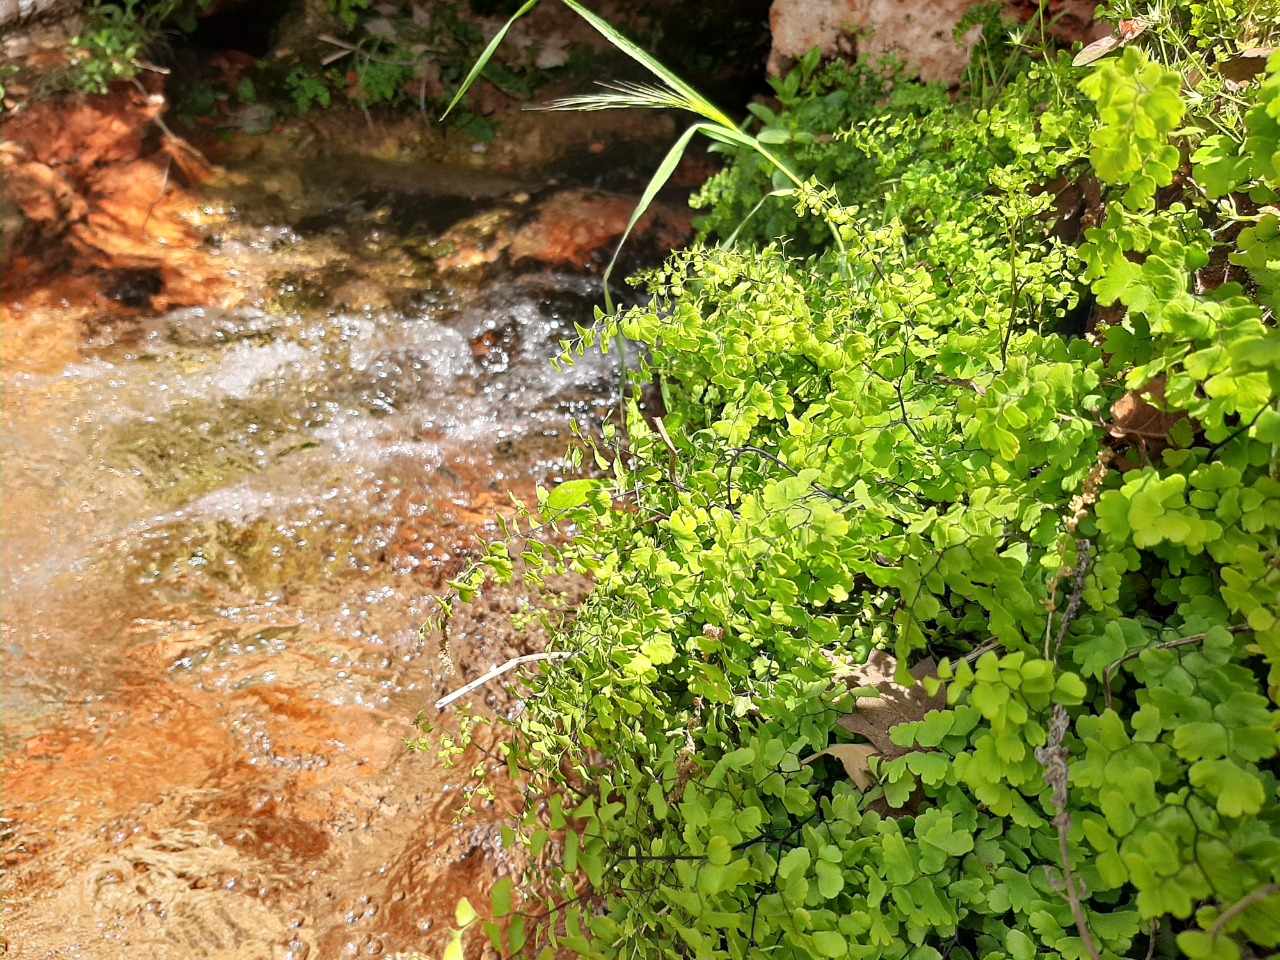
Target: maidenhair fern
(891,446)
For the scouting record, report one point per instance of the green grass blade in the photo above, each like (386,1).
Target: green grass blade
(697,102)
(735,137)
(486,55)
(656,183)
(733,237)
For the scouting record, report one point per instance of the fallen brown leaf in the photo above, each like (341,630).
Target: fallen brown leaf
(1135,418)
(1246,64)
(856,758)
(1126,32)
(893,703)
(881,704)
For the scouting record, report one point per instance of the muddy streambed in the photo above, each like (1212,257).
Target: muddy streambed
(223,530)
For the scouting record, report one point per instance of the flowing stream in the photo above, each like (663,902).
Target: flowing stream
(222,534)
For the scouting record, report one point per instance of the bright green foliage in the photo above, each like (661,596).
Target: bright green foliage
(113,39)
(1139,105)
(1249,22)
(891,445)
(816,103)
(307,90)
(348,11)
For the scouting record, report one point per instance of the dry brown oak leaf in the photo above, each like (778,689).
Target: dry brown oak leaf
(882,704)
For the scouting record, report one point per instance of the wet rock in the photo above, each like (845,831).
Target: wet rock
(254,118)
(361,294)
(493,348)
(578,229)
(95,184)
(135,288)
(39,203)
(475,242)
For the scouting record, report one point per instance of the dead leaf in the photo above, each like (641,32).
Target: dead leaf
(1246,64)
(1095,51)
(1135,418)
(856,758)
(380,27)
(894,703)
(1126,32)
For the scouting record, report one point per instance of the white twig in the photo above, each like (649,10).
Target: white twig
(499,671)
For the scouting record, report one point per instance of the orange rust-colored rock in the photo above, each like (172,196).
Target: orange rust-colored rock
(93,187)
(44,196)
(573,227)
(124,760)
(82,134)
(579,229)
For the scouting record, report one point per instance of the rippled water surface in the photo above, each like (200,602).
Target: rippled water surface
(222,534)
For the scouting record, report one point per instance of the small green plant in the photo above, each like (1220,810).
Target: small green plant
(109,46)
(114,39)
(389,58)
(7,72)
(349,11)
(743,200)
(887,445)
(307,90)
(404,59)
(1003,50)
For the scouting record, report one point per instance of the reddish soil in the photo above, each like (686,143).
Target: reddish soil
(104,191)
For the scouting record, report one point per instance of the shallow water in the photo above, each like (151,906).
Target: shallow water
(223,531)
